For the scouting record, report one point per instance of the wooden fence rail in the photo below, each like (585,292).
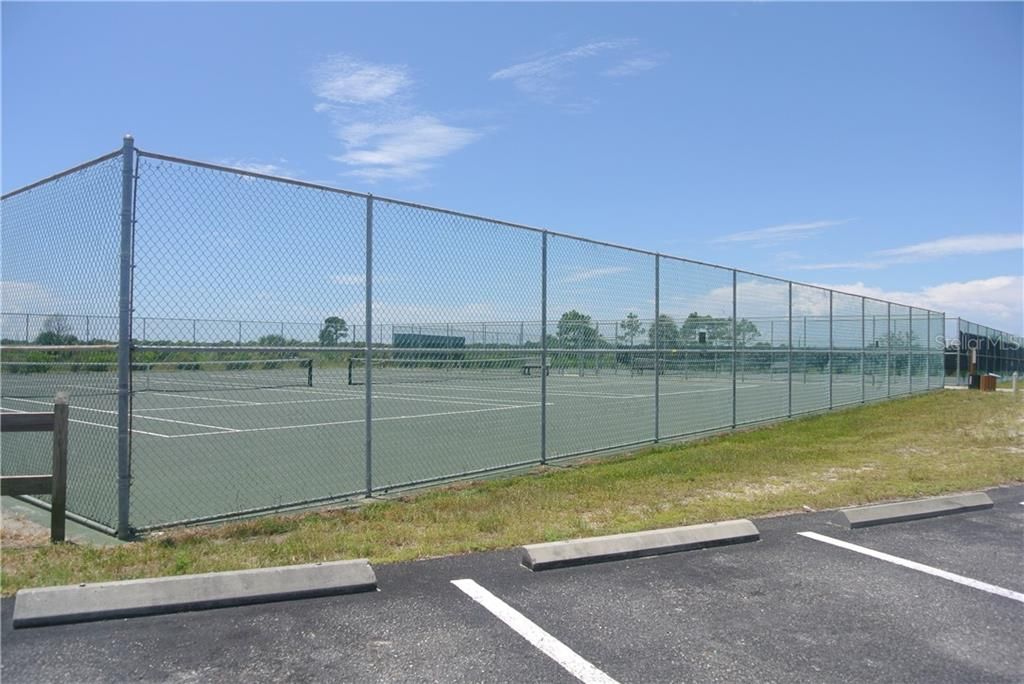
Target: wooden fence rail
(56,483)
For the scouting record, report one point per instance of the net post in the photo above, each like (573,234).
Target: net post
(368,351)
(124,341)
(544,348)
(734,350)
(657,344)
(309,373)
(789,369)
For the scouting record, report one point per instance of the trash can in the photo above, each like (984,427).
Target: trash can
(974,381)
(988,382)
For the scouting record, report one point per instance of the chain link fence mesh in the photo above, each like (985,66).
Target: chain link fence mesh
(491,345)
(59,273)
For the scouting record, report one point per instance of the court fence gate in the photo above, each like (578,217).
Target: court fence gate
(192,402)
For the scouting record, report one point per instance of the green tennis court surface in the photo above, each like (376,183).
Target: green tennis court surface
(213,448)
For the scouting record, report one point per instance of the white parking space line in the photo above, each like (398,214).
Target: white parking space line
(547,644)
(920,567)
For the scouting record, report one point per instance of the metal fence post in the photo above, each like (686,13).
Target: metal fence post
(124,341)
(959,350)
(27,340)
(863,351)
(910,350)
(789,394)
(657,343)
(830,326)
(544,348)
(734,352)
(368,351)
(928,353)
(888,349)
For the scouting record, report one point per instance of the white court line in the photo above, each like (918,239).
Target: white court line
(114,413)
(579,668)
(351,422)
(255,403)
(920,567)
(85,422)
(191,396)
(435,398)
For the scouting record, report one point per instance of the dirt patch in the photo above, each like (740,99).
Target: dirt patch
(18,532)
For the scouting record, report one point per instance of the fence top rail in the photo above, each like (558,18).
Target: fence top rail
(56,347)
(351,193)
(61,174)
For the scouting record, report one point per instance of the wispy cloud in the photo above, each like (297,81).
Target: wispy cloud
(958,245)
(540,76)
(547,77)
(781,233)
(631,67)
(384,135)
(582,275)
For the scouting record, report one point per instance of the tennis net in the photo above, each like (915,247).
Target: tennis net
(30,379)
(401,371)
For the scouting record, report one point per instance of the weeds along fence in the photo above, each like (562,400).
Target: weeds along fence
(994,351)
(419,344)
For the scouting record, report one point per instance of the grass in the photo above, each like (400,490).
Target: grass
(918,446)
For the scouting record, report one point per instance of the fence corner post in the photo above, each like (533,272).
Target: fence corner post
(124,340)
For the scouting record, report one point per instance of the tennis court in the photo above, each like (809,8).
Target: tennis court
(212,437)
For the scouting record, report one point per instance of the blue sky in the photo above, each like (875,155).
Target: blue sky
(875,148)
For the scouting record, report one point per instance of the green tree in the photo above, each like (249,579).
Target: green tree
(56,330)
(630,328)
(667,333)
(334,331)
(272,341)
(576,331)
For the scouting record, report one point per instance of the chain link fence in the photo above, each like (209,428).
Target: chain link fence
(992,351)
(236,343)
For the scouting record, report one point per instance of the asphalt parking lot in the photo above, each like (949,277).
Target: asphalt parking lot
(788,608)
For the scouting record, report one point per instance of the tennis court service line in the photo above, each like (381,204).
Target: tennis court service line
(920,567)
(221,399)
(349,422)
(114,413)
(571,661)
(436,398)
(77,420)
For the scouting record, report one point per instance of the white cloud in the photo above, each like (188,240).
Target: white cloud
(344,80)
(632,66)
(997,301)
(582,275)
(984,243)
(400,149)
(541,77)
(781,233)
(19,296)
(265,168)
(957,245)
(384,136)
